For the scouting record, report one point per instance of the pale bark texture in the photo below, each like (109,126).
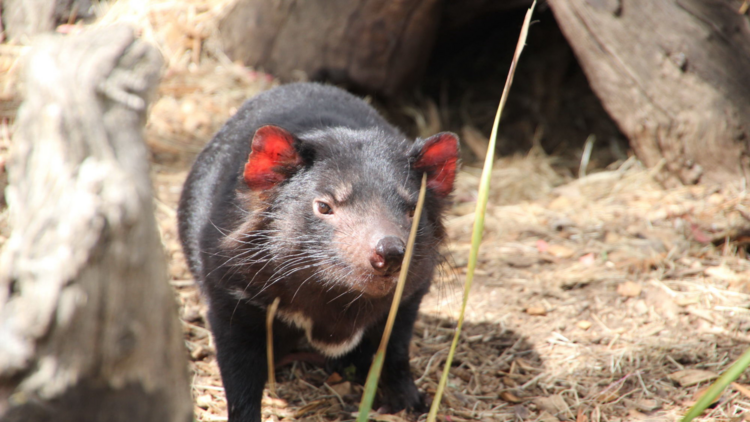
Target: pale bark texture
(88,320)
(674,75)
(379,46)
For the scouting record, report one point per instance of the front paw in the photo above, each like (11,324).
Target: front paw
(407,397)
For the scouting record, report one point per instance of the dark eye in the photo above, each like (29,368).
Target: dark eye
(323,208)
(411,211)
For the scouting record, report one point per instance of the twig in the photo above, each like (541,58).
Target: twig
(586,156)
(744,7)
(270,314)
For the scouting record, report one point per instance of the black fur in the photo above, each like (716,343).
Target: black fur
(246,248)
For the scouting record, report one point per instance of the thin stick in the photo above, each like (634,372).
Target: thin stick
(476,236)
(377,363)
(270,314)
(586,156)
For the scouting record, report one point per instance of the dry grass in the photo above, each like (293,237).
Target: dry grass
(586,301)
(589,293)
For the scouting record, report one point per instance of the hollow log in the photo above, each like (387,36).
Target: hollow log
(674,76)
(378,46)
(88,321)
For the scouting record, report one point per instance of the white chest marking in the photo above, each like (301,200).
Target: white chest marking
(303,322)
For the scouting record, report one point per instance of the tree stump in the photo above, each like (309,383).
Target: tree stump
(87,318)
(674,76)
(379,46)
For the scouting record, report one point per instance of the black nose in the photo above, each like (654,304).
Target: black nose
(389,252)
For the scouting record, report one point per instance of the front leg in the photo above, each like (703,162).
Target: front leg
(397,388)
(241,353)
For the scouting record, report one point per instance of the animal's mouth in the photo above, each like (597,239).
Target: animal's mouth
(370,284)
(378,286)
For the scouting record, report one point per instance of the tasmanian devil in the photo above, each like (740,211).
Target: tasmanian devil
(307,195)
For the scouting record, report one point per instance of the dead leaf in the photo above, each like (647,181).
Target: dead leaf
(335,378)
(722,273)
(647,405)
(699,235)
(742,389)
(583,324)
(509,397)
(553,404)
(629,289)
(342,389)
(546,417)
(560,203)
(688,377)
(274,402)
(611,237)
(510,382)
(521,412)
(587,260)
(560,251)
(536,310)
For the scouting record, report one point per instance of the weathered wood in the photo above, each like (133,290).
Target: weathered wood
(23,19)
(380,46)
(674,76)
(87,319)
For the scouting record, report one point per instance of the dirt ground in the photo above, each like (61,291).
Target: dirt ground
(602,298)
(607,298)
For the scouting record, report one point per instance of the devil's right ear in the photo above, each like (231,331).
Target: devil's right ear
(438,157)
(273,158)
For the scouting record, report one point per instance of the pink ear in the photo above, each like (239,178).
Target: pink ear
(438,157)
(272,159)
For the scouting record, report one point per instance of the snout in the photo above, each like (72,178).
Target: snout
(387,255)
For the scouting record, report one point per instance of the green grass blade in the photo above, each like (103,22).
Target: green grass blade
(476,235)
(718,386)
(371,385)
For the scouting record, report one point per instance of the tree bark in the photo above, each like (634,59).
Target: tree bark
(87,319)
(380,46)
(674,76)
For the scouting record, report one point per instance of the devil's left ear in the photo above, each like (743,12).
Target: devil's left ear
(273,158)
(438,157)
